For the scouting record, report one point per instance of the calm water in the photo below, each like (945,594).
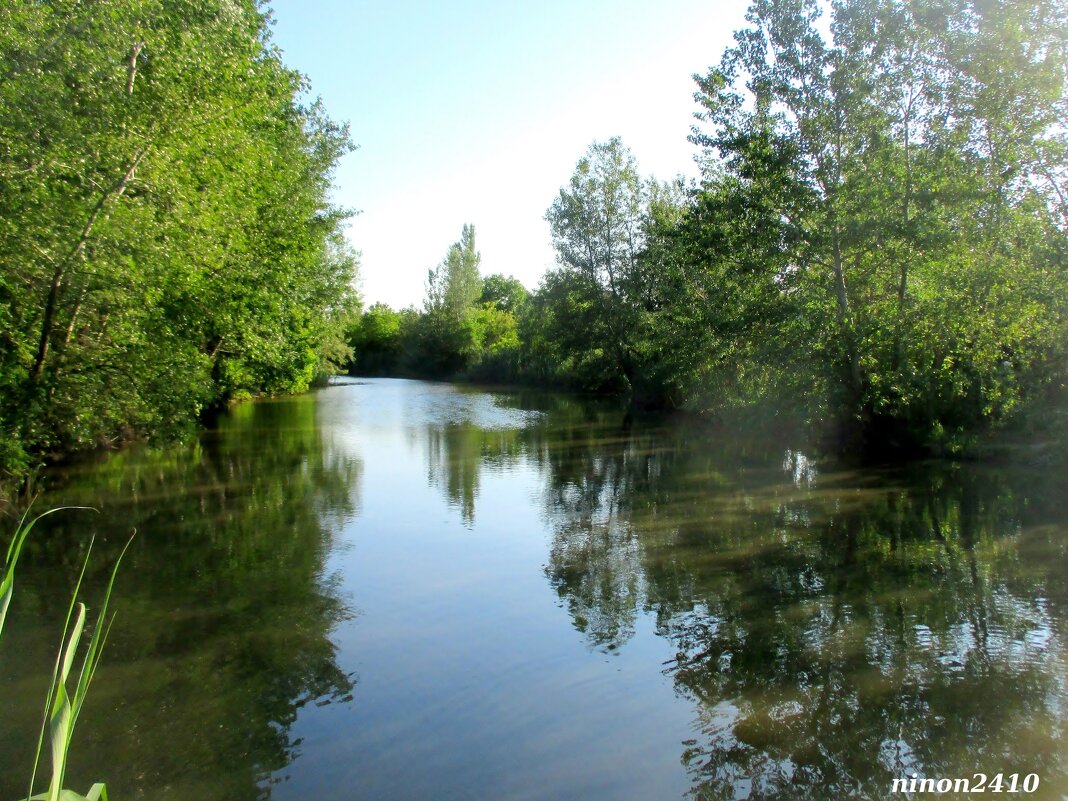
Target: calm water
(398,590)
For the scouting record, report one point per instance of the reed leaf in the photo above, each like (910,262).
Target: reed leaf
(98,792)
(22,531)
(62,706)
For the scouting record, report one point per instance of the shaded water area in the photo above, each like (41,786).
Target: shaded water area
(402,590)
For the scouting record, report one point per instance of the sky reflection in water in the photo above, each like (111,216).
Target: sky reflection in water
(395,589)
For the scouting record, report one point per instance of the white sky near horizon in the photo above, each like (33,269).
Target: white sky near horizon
(471,111)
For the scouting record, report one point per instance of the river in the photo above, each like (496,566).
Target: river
(399,590)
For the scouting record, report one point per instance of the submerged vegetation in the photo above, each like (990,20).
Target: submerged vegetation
(166,243)
(878,240)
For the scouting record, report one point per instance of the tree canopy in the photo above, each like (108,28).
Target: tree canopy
(167,242)
(888,207)
(878,240)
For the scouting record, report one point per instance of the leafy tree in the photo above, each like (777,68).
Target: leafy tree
(887,200)
(596,224)
(441,345)
(376,341)
(448,335)
(505,293)
(455,285)
(167,242)
(563,340)
(600,226)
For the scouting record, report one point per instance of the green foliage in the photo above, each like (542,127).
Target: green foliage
(563,335)
(468,328)
(878,241)
(609,282)
(881,240)
(442,345)
(496,332)
(496,329)
(597,233)
(444,341)
(375,341)
(63,704)
(454,285)
(505,293)
(167,243)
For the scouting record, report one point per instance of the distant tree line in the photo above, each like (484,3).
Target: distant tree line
(468,327)
(166,242)
(878,239)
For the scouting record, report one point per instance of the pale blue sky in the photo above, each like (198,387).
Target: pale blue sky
(476,111)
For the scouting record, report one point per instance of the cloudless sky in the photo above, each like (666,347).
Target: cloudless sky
(477,110)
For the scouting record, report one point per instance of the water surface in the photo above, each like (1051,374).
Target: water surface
(403,590)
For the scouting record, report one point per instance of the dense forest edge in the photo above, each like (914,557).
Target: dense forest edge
(878,243)
(167,244)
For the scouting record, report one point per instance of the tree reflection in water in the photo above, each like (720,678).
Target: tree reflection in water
(224,604)
(467,431)
(836,630)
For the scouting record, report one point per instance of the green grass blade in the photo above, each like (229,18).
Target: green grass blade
(15,546)
(96,643)
(61,709)
(56,670)
(22,531)
(6,587)
(61,721)
(98,792)
(7,581)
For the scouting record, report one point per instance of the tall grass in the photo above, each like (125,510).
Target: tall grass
(64,701)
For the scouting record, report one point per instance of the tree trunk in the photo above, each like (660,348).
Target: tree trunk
(60,271)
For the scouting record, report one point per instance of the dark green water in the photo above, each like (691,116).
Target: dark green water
(399,590)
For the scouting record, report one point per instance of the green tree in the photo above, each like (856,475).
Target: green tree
(167,242)
(447,336)
(563,340)
(503,292)
(893,188)
(600,225)
(455,285)
(596,224)
(376,341)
